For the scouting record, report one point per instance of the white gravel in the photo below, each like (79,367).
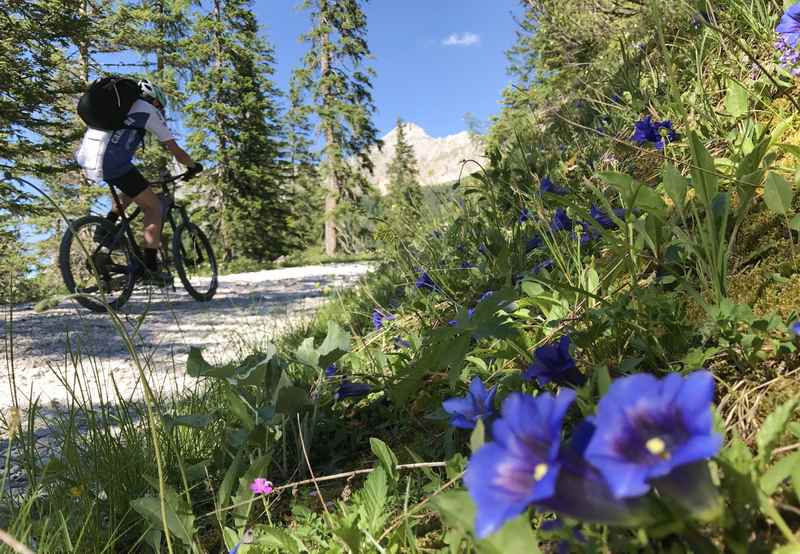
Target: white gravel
(248,309)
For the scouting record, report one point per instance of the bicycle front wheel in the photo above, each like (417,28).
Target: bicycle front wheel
(95,262)
(195,262)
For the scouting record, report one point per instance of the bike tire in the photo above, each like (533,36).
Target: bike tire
(69,242)
(182,261)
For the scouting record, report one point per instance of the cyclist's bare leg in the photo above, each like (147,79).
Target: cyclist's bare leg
(151,208)
(124,202)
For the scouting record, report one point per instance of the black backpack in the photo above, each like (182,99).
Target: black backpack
(107,102)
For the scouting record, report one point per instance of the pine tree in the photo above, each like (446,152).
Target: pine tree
(403,174)
(339,87)
(237,125)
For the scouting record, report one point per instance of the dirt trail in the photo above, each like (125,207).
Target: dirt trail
(248,308)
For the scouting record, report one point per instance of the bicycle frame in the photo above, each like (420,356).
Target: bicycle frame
(125,226)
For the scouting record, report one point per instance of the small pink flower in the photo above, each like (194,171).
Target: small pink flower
(261,486)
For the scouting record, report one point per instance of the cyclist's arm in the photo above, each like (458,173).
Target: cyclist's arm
(179,153)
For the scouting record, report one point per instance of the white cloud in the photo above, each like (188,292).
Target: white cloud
(463,39)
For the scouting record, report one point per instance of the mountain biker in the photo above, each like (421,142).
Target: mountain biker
(108,155)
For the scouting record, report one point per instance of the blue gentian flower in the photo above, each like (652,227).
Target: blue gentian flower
(561,221)
(466,265)
(587,234)
(424,282)
(647,130)
(545,264)
(647,428)
(789,26)
(524,215)
(330,371)
(534,243)
(521,466)
(795,327)
(553,362)
(465,411)
(352,390)
(378,317)
(546,185)
(603,219)
(485,295)
(582,492)
(401,343)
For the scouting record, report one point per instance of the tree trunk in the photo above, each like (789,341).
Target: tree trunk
(331,156)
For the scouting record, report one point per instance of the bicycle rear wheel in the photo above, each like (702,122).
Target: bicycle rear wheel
(195,262)
(102,269)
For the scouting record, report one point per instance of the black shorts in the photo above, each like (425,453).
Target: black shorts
(132,183)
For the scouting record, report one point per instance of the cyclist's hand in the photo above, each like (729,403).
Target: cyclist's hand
(194,170)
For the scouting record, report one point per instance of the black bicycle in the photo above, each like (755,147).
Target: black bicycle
(107,264)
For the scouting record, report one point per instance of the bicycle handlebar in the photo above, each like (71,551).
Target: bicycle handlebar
(173,178)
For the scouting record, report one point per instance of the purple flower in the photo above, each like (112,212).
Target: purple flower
(485,295)
(546,185)
(789,26)
(478,403)
(524,215)
(553,362)
(348,390)
(424,282)
(603,219)
(401,343)
(379,317)
(261,486)
(795,327)
(561,221)
(330,371)
(647,428)
(534,243)
(647,130)
(587,234)
(546,264)
(521,466)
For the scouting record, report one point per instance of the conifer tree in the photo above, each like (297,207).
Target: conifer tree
(236,125)
(339,86)
(403,174)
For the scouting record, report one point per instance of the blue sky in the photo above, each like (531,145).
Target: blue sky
(421,75)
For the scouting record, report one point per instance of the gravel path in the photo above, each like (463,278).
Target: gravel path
(248,309)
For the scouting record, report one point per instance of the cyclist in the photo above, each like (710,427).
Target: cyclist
(108,155)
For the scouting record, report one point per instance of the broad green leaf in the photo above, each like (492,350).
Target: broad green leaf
(774,427)
(179,525)
(240,409)
(307,354)
(231,475)
(372,499)
(616,179)
(257,468)
(251,371)
(515,537)
(198,421)
(273,536)
(291,400)
(335,345)
(385,456)
(779,472)
(456,509)
(676,186)
(736,99)
(477,437)
(197,366)
(794,224)
(603,380)
(787,549)
(778,194)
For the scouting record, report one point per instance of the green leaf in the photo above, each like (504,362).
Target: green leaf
(251,371)
(676,186)
(291,400)
(180,526)
(198,421)
(617,179)
(779,472)
(385,456)
(307,354)
(704,173)
(456,509)
(231,475)
(197,366)
(787,549)
(774,427)
(372,499)
(273,536)
(794,224)
(515,537)
(736,99)
(477,437)
(257,468)
(603,380)
(335,345)
(778,194)
(240,409)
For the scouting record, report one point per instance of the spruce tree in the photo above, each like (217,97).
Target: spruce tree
(236,124)
(403,174)
(339,87)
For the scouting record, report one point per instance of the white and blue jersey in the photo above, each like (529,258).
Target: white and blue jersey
(105,155)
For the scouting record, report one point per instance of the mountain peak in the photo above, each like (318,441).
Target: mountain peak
(411,130)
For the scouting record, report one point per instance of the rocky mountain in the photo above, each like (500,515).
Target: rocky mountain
(438,159)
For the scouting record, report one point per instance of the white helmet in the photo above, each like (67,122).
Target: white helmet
(150,91)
